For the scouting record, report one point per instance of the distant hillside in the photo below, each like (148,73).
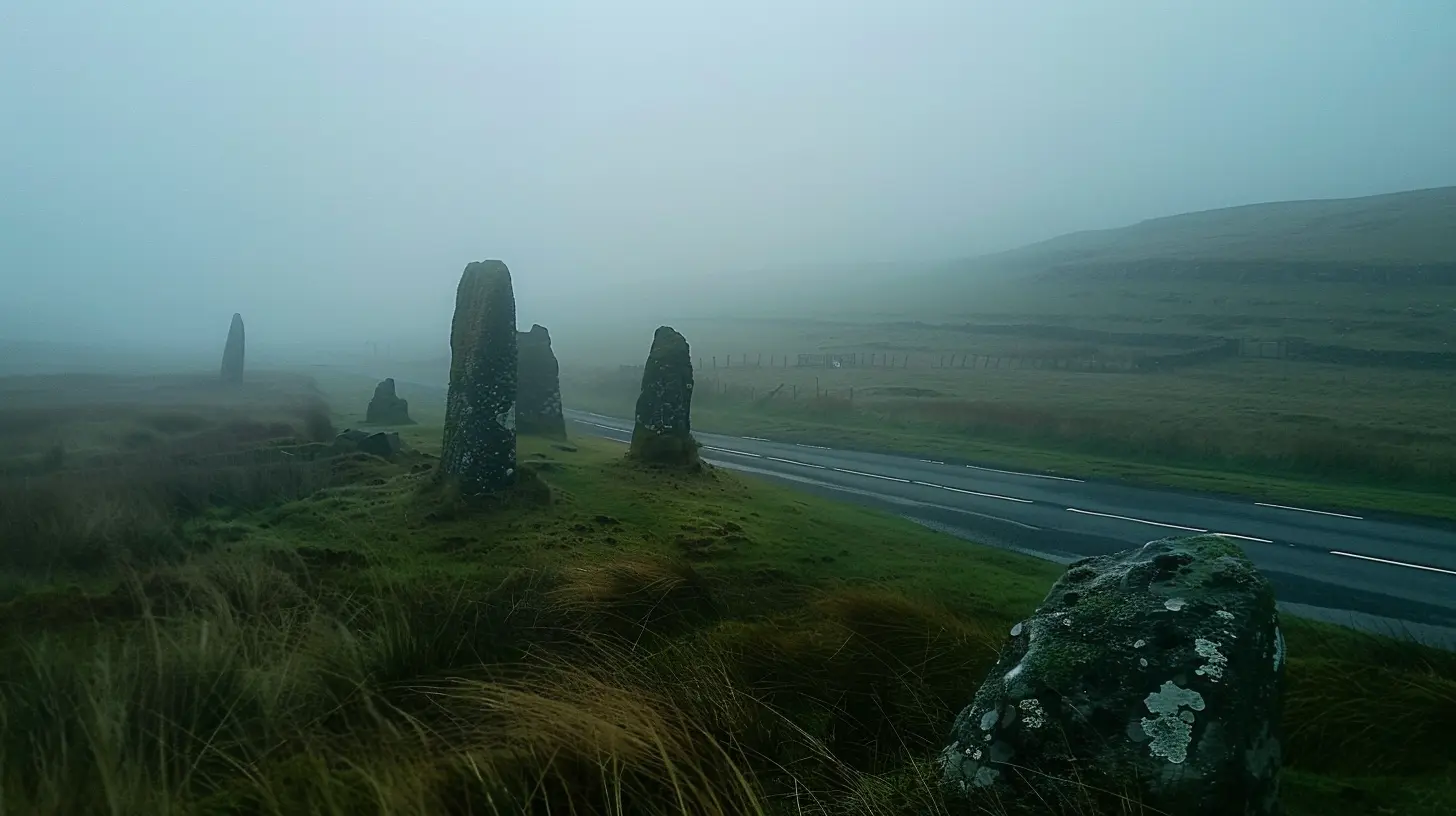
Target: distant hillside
(1411,235)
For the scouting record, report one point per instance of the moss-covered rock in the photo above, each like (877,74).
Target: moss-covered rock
(386,407)
(479,449)
(663,430)
(538,392)
(232,352)
(1155,673)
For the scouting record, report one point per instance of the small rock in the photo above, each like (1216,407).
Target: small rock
(386,408)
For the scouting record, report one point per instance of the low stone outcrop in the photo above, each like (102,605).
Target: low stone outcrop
(663,429)
(538,386)
(232,352)
(386,407)
(479,450)
(1154,673)
(385,445)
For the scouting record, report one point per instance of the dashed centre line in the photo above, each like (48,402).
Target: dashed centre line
(1019,473)
(1138,520)
(1304,510)
(796,462)
(874,475)
(931,462)
(734,452)
(756,439)
(976,493)
(815,447)
(1393,563)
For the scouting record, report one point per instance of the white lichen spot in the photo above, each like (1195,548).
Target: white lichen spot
(1278,648)
(1016,630)
(1015,671)
(1066,621)
(986,777)
(1032,713)
(1143,661)
(1139,643)
(1174,604)
(1170,731)
(988,720)
(1225,614)
(1208,650)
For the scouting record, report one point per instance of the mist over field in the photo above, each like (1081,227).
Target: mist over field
(327,168)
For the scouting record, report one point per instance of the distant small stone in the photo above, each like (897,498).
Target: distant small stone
(387,408)
(663,430)
(232,352)
(538,391)
(479,449)
(1180,712)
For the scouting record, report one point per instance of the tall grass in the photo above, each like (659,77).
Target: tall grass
(244,688)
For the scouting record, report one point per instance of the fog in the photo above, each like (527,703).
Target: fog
(328,168)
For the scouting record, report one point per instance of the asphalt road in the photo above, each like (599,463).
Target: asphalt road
(1386,575)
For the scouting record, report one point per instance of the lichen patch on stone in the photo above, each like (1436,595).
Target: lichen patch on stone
(1216,661)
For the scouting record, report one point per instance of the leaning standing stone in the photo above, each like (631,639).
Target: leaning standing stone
(479,449)
(663,430)
(232,353)
(1154,674)
(538,395)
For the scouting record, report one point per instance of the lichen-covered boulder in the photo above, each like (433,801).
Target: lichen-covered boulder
(1155,673)
(663,429)
(538,389)
(386,407)
(232,352)
(385,445)
(479,450)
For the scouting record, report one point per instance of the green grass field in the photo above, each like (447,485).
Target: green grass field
(643,642)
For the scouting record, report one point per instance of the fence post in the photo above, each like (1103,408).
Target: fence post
(760,361)
(816,387)
(728,361)
(795,392)
(715,362)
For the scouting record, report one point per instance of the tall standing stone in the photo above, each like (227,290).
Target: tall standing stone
(663,430)
(479,450)
(538,393)
(387,408)
(232,353)
(1155,673)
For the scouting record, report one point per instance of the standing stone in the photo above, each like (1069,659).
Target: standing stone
(538,395)
(232,353)
(479,449)
(1156,673)
(663,430)
(386,408)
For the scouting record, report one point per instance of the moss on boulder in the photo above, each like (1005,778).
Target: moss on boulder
(1155,673)
(479,450)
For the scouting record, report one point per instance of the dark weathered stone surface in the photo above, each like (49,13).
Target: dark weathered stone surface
(1155,673)
(385,445)
(387,408)
(663,430)
(538,386)
(479,450)
(232,353)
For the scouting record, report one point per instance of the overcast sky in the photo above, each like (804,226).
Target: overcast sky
(328,168)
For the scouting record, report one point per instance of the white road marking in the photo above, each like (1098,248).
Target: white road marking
(1138,520)
(599,425)
(795,462)
(873,475)
(1245,538)
(756,438)
(738,453)
(816,447)
(1019,473)
(931,462)
(1302,510)
(900,500)
(1393,563)
(976,493)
